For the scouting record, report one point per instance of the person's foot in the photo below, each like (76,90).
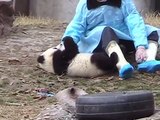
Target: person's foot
(126,71)
(149,66)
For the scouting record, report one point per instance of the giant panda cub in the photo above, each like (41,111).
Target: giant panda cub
(66,59)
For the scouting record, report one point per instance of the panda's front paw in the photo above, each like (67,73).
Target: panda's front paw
(68,41)
(70,45)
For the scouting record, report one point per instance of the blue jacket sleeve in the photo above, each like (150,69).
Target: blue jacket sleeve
(135,23)
(77,26)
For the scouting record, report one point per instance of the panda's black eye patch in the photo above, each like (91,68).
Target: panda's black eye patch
(40,59)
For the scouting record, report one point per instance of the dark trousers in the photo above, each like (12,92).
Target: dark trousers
(127,46)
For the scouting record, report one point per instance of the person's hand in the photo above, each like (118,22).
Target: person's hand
(141,54)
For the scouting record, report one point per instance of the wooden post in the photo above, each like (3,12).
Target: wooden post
(6,16)
(21,7)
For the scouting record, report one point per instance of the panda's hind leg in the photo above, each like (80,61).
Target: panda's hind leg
(103,61)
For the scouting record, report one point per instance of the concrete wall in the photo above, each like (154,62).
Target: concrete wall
(145,6)
(65,9)
(56,9)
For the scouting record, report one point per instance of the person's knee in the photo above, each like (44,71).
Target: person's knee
(153,36)
(108,30)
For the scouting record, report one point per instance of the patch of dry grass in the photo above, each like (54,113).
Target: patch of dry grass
(25,21)
(150,18)
(153,19)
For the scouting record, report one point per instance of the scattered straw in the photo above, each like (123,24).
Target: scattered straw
(150,18)
(24,20)
(153,19)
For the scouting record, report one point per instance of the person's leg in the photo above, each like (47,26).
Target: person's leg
(109,44)
(151,65)
(127,46)
(98,48)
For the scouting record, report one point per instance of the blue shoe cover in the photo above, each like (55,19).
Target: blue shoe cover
(126,71)
(149,66)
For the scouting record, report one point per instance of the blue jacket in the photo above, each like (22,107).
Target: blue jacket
(87,25)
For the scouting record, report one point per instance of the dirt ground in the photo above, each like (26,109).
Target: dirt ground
(20,75)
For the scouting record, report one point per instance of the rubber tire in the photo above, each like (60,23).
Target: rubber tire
(126,105)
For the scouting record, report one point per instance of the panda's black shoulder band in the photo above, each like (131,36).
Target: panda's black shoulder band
(59,64)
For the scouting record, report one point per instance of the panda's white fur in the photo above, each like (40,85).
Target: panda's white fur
(81,66)
(65,59)
(47,57)
(48,63)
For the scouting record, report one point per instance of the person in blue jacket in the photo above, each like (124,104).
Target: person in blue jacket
(102,25)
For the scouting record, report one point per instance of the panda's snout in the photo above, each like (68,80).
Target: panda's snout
(40,59)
